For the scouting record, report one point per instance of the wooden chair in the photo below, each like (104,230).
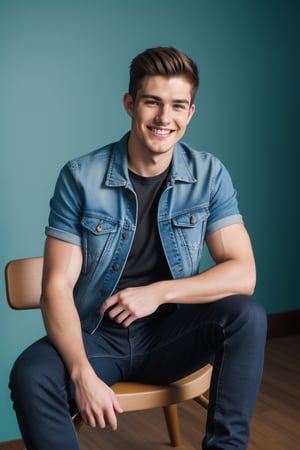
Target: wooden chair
(23,288)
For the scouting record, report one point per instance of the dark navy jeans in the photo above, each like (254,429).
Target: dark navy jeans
(159,349)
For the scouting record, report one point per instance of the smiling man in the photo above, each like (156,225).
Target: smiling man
(160,111)
(122,294)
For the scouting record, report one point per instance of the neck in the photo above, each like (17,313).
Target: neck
(146,163)
(145,170)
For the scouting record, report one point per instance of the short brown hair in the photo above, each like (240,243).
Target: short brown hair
(162,61)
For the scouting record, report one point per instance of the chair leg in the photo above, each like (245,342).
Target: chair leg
(171,417)
(78,422)
(202,400)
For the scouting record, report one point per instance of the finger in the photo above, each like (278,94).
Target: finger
(89,419)
(111,301)
(117,406)
(128,321)
(100,421)
(115,311)
(111,420)
(120,318)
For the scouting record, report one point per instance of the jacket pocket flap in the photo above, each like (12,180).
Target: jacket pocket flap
(99,225)
(191,218)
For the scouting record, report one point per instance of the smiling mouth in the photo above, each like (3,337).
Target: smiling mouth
(160,131)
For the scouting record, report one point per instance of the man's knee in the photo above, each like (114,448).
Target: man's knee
(35,369)
(249,314)
(23,376)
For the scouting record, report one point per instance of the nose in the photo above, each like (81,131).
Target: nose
(163,116)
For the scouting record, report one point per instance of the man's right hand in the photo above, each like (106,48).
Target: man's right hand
(95,400)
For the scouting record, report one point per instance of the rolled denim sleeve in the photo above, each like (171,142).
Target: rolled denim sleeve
(65,208)
(224,208)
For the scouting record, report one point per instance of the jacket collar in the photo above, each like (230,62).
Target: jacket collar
(117,174)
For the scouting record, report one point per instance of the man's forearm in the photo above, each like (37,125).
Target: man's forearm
(220,281)
(64,330)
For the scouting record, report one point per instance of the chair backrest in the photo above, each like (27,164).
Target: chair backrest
(23,279)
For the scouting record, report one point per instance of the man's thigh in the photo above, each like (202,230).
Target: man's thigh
(194,335)
(179,344)
(42,360)
(108,352)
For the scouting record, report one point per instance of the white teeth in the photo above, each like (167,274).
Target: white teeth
(160,131)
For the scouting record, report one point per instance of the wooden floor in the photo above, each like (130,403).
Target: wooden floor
(275,425)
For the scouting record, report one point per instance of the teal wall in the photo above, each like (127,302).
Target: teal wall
(64,69)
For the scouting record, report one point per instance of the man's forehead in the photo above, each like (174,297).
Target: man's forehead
(160,87)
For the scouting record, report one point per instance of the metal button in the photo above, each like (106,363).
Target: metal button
(99,227)
(193,220)
(125,235)
(115,267)
(103,291)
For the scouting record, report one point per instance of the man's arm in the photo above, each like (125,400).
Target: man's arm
(62,264)
(234,273)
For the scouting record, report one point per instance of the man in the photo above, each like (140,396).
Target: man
(122,296)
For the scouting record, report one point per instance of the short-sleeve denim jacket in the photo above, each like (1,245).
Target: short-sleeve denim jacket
(94,206)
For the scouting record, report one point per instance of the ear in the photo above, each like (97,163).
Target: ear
(191,112)
(128,103)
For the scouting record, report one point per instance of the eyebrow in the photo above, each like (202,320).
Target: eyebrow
(156,97)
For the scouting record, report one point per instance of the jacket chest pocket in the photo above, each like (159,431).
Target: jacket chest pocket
(97,236)
(189,231)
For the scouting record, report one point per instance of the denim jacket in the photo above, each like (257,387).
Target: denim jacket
(94,206)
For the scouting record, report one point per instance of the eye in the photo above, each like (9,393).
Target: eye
(151,102)
(179,106)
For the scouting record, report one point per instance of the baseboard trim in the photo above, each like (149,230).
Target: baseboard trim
(284,324)
(279,325)
(17,444)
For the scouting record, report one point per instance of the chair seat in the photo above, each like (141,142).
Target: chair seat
(132,395)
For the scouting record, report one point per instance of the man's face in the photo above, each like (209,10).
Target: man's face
(160,113)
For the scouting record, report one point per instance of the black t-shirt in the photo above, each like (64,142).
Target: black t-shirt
(146,262)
